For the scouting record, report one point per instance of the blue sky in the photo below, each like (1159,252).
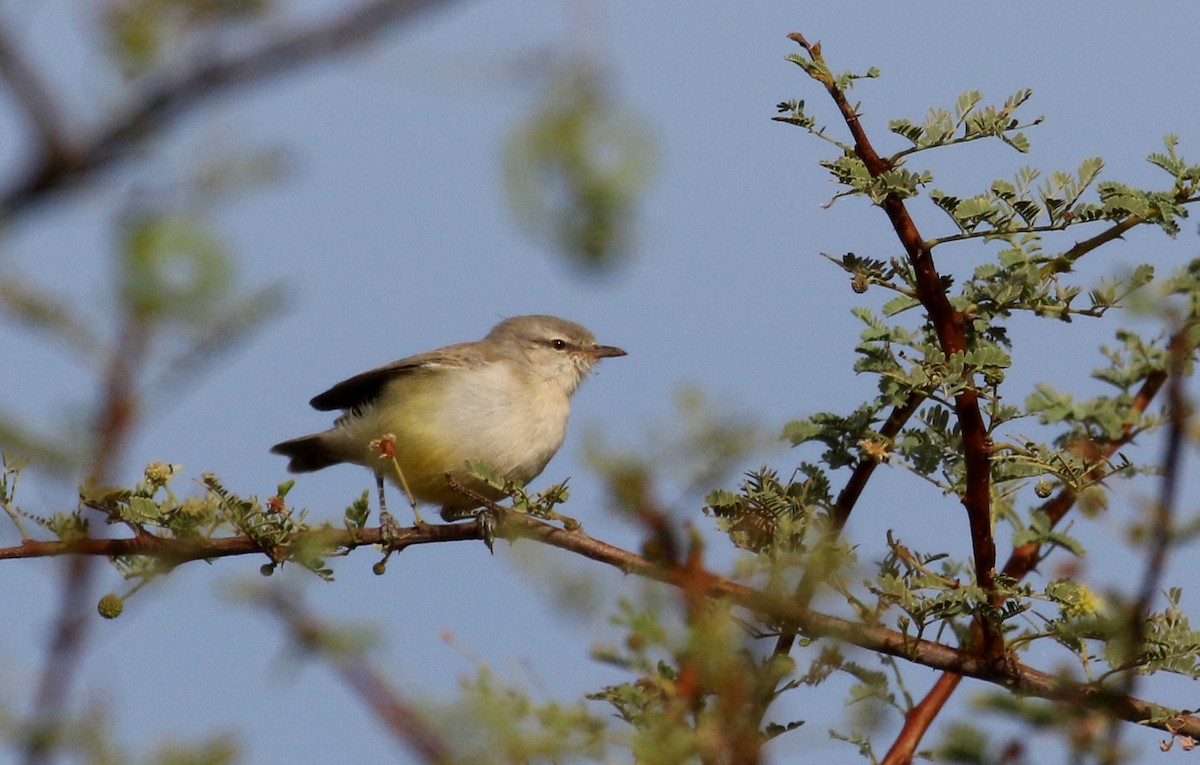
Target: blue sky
(390,234)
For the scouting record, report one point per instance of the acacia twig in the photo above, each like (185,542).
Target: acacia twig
(1021,561)
(950,326)
(1012,675)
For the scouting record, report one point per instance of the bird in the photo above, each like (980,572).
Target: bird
(503,401)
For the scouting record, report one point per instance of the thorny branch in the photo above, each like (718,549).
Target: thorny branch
(951,328)
(789,615)
(1023,560)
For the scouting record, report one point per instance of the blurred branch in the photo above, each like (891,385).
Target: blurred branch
(175,95)
(1162,518)
(846,500)
(394,711)
(1178,414)
(116,415)
(791,616)
(34,99)
(62,164)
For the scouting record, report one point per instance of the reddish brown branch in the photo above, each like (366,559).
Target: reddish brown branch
(1021,562)
(950,326)
(919,718)
(784,612)
(1012,675)
(850,493)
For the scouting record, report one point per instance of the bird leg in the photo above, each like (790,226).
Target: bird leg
(387,524)
(487,514)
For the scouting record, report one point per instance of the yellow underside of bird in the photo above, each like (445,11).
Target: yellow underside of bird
(493,423)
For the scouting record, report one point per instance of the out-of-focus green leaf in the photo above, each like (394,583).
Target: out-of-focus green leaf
(576,168)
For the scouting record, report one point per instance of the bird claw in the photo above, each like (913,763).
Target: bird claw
(487,520)
(389,528)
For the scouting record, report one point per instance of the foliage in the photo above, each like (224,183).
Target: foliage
(576,167)
(706,661)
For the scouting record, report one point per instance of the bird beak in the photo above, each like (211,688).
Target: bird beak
(603,351)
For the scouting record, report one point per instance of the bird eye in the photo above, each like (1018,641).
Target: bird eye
(558,344)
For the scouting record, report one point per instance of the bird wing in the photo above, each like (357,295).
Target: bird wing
(363,389)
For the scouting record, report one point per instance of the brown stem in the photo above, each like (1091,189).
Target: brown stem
(1012,675)
(919,718)
(1021,562)
(951,328)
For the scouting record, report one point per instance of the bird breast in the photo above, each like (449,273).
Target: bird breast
(514,423)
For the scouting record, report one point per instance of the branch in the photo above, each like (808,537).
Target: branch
(1012,675)
(175,552)
(116,416)
(1022,561)
(176,95)
(950,326)
(34,99)
(393,710)
(1063,262)
(1162,517)
(847,499)
(59,166)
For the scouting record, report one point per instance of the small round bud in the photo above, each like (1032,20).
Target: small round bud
(379,568)
(266,569)
(1043,489)
(859,283)
(110,606)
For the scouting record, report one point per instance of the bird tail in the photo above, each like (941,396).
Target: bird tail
(306,454)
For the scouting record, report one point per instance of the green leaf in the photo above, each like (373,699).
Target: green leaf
(799,431)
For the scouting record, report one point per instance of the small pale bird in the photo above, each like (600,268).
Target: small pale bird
(503,400)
